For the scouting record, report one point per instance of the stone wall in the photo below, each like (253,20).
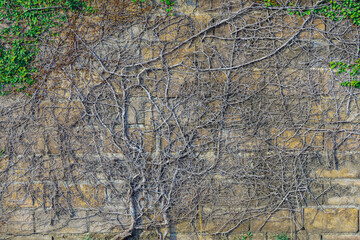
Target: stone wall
(221,120)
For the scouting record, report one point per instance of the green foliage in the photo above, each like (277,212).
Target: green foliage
(282,236)
(27,22)
(247,236)
(2,152)
(336,11)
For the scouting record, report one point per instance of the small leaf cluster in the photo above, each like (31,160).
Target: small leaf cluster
(2,152)
(247,236)
(26,23)
(270,3)
(170,4)
(334,10)
(282,236)
(353,69)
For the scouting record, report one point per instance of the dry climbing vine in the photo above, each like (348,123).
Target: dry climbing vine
(211,118)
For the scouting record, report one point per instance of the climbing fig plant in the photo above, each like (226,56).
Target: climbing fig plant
(335,11)
(23,24)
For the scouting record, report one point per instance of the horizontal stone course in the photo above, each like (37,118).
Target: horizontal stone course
(331,220)
(340,237)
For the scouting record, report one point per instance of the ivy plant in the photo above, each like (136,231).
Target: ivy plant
(247,236)
(335,11)
(24,24)
(282,236)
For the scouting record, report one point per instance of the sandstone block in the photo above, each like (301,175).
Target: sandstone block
(20,195)
(17,228)
(64,224)
(341,173)
(207,5)
(345,200)
(88,196)
(31,237)
(303,235)
(108,223)
(340,237)
(336,220)
(278,222)
(136,114)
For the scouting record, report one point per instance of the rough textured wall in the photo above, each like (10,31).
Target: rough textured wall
(209,124)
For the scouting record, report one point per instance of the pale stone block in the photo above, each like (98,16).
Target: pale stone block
(340,237)
(64,224)
(331,220)
(278,222)
(340,173)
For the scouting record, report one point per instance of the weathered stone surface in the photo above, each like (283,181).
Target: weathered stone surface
(17,228)
(255,236)
(107,223)
(340,237)
(278,222)
(64,224)
(136,114)
(331,220)
(31,237)
(345,200)
(341,173)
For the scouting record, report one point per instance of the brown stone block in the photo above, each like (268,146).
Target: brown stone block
(109,140)
(313,30)
(46,142)
(175,29)
(186,7)
(151,52)
(347,182)
(44,113)
(278,222)
(346,200)
(187,236)
(206,5)
(87,196)
(351,143)
(17,227)
(174,85)
(218,225)
(290,24)
(65,113)
(336,220)
(240,235)
(315,237)
(68,113)
(32,237)
(183,55)
(46,222)
(136,108)
(341,173)
(202,21)
(186,227)
(22,195)
(20,215)
(340,237)
(259,236)
(303,235)
(102,225)
(287,139)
